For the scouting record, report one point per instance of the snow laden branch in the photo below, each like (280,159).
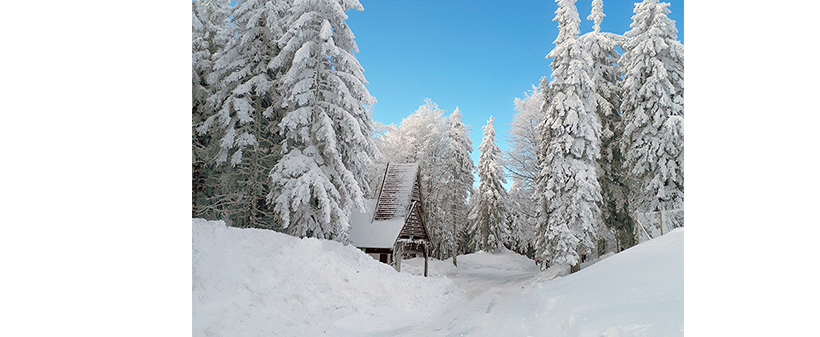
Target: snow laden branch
(572,130)
(326,127)
(653,109)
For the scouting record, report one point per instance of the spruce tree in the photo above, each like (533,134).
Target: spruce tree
(209,31)
(653,109)
(522,217)
(243,114)
(572,130)
(491,213)
(209,34)
(326,126)
(458,182)
(470,236)
(605,76)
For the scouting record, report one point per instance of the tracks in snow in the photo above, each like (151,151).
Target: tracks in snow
(479,309)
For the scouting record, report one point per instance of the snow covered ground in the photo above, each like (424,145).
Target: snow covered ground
(261,283)
(252,282)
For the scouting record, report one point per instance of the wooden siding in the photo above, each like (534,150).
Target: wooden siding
(414,227)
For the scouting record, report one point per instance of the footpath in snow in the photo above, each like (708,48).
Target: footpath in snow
(262,283)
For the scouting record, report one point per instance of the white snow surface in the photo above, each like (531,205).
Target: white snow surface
(254,282)
(375,234)
(249,282)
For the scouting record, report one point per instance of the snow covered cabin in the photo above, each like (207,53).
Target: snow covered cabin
(394,223)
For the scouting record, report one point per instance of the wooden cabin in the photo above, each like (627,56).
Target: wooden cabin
(393,224)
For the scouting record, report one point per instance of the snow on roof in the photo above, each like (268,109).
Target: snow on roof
(396,192)
(379,227)
(366,233)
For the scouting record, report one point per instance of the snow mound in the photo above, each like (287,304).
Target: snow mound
(253,282)
(638,292)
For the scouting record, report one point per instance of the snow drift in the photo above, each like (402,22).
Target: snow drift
(638,292)
(252,282)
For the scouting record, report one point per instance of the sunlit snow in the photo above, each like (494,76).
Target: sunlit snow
(262,283)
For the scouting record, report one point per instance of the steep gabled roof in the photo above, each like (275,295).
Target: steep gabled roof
(385,218)
(396,192)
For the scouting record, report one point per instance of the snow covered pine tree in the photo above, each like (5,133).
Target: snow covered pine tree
(605,75)
(458,181)
(244,101)
(491,214)
(327,128)
(653,109)
(208,33)
(568,175)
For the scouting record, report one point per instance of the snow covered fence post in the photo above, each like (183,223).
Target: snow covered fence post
(397,252)
(660,218)
(426,256)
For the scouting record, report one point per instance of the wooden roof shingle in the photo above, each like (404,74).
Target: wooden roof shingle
(388,216)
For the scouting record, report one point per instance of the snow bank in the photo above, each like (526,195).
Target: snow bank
(249,282)
(638,292)
(252,282)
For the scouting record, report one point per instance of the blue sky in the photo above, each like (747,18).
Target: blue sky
(477,55)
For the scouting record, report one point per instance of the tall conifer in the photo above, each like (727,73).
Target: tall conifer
(326,126)
(458,181)
(653,109)
(568,175)
(605,75)
(491,214)
(245,112)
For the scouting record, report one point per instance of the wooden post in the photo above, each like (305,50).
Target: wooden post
(397,252)
(660,215)
(425,261)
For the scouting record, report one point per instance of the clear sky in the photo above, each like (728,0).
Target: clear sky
(477,55)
